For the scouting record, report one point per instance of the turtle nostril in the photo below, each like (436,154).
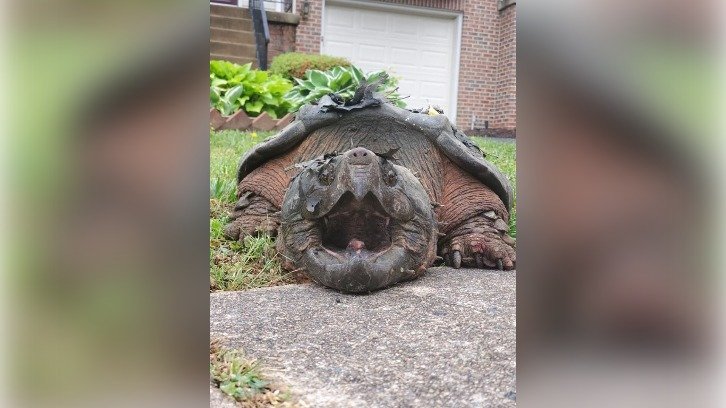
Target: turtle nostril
(360,156)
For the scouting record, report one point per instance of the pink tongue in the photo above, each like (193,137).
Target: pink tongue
(356,244)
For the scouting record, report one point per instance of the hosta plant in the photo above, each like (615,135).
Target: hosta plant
(339,80)
(233,87)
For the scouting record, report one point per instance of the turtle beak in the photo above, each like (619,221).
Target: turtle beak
(362,175)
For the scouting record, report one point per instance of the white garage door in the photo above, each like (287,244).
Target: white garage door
(419,49)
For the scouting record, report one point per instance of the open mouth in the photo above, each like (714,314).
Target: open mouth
(357,227)
(358,244)
(357,223)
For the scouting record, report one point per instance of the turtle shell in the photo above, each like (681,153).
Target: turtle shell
(329,111)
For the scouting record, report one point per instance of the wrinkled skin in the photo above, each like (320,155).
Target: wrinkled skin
(357,222)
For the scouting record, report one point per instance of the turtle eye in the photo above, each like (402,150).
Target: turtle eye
(326,175)
(390,178)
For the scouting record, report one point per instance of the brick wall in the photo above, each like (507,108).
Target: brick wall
(487,70)
(506,107)
(308,31)
(282,39)
(478,62)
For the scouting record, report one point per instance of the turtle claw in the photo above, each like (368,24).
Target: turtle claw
(479,246)
(456,258)
(479,260)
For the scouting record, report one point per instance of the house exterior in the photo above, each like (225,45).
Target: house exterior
(457,54)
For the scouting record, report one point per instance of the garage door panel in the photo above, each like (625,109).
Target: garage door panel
(401,24)
(435,43)
(404,57)
(417,49)
(340,17)
(369,66)
(437,29)
(435,60)
(432,89)
(372,53)
(341,49)
(408,87)
(373,22)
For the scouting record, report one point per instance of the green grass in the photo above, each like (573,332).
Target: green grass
(226,148)
(503,154)
(254,263)
(240,377)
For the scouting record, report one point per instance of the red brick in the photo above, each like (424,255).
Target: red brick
(238,121)
(216,120)
(264,122)
(284,121)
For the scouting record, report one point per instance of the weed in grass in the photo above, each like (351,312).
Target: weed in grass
(241,378)
(224,190)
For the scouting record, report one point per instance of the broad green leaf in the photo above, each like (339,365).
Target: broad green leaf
(237,79)
(307,84)
(227,107)
(234,93)
(318,78)
(271,111)
(357,74)
(260,76)
(213,95)
(270,100)
(373,76)
(279,86)
(254,107)
(243,69)
(218,82)
(343,79)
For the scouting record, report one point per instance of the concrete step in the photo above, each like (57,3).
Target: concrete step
(232,36)
(230,23)
(228,11)
(223,48)
(235,59)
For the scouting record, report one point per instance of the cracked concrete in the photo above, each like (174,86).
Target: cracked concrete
(446,339)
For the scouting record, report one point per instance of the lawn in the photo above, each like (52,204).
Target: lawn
(255,263)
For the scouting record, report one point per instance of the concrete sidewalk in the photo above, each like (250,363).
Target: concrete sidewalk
(446,339)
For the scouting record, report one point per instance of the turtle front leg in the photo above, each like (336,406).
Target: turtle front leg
(259,201)
(253,214)
(474,223)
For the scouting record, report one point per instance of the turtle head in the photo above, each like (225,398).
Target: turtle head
(357,222)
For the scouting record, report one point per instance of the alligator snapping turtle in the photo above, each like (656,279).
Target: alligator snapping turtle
(362,194)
